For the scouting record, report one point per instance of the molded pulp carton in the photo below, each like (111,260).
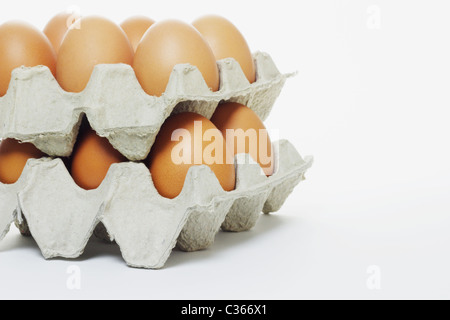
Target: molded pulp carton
(126,207)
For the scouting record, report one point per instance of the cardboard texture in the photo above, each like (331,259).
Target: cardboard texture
(36,109)
(126,207)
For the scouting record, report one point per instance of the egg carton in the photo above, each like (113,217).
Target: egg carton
(37,110)
(62,217)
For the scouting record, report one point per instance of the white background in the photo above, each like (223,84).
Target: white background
(371,103)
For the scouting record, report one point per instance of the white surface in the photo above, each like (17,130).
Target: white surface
(372,106)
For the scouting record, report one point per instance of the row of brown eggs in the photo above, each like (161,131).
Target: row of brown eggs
(85,42)
(93,155)
(71,48)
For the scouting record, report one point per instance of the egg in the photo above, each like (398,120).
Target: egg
(94,40)
(247,133)
(226,41)
(192,144)
(91,159)
(166,44)
(135,27)
(22,44)
(57,27)
(13,158)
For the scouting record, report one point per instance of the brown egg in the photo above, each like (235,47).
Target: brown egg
(252,137)
(226,41)
(170,161)
(57,27)
(13,158)
(135,27)
(22,44)
(166,44)
(94,41)
(91,159)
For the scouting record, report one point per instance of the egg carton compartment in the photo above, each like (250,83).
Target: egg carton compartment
(37,110)
(62,217)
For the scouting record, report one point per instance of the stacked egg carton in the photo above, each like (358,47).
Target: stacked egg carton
(62,217)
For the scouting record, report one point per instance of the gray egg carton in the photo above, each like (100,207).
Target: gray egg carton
(62,217)
(37,110)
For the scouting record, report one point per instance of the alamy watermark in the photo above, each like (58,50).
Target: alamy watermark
(73,281)
(374,17)
(374,279)
(73,21)
(218,150)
